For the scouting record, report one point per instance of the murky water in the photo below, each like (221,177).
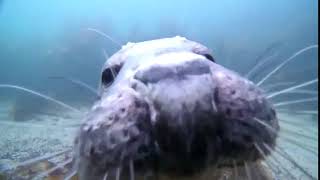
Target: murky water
(42,41)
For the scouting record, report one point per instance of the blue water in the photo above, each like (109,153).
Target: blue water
(41,39)
(45,38)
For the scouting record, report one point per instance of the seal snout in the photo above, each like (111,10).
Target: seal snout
(115,132)
(246,116)
(172,110)
(238,98)
(206,112)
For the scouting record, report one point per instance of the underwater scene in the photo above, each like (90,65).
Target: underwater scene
(159,90)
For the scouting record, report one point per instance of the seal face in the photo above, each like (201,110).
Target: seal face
(166,107)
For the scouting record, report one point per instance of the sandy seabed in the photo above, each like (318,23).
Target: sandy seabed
(44,134)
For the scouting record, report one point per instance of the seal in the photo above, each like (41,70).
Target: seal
(167,110)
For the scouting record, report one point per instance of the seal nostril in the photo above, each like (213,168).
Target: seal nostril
(233,92)
(122,110)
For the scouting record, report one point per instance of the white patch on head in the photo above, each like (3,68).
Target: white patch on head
(220,75)
(172,58)
(180,38)
(129,44)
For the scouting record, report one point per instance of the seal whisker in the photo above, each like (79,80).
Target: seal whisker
(77,82)
(263,58)
(40,95)
(269,163)
(214,106)
(287,131)
(277,167)
(105,177)
(131,166)
(235,167)
(298,125)
(265,125)
(267,160)
(272,86)
(287,139)
(49,171)
(257,66)
(105,54)
(288,122)
(33,125)
(41,158)
(284,103)
(285,62)
(284,138)
(280,166)
(104,35)
(302,92)
(292,88)
(302,145)
(118,173)
(71,174)
(114,74)
(274,168)
(308,112)
(248,171)
(285,155)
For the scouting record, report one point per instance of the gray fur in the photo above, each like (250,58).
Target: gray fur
(172,111)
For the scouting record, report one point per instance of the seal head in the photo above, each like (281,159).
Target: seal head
(168,108)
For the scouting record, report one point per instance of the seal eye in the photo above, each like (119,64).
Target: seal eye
(107,76)
(208,56)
